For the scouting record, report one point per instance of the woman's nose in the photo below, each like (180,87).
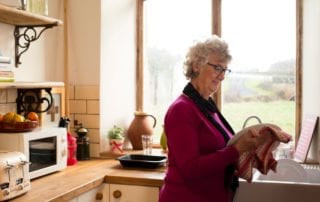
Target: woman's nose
(220,76)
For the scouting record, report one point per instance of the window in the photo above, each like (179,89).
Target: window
(262,40)
(170,26)
(261,35)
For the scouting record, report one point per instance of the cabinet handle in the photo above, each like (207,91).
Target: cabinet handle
(117,194)
(99,196)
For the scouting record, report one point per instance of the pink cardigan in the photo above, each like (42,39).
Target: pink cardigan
(197,156)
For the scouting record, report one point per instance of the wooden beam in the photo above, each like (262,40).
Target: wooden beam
(216,29)
(299,67)
(66,58)
(139,62)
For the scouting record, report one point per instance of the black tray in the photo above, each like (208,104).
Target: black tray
(143,161)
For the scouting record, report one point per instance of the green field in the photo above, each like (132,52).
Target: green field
(281,113)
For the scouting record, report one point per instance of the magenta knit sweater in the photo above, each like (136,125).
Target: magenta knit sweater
(197,156)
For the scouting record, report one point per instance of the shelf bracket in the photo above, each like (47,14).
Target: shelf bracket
(32,100)
(28,34)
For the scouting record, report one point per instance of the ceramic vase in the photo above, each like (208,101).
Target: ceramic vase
(142,124)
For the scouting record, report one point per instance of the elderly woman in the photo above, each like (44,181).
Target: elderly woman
(201,165)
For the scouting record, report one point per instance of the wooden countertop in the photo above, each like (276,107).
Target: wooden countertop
(86,175)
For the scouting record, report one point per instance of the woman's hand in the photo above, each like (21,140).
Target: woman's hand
(255,136)
(248,141)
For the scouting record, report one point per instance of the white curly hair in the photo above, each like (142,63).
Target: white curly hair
(199,52)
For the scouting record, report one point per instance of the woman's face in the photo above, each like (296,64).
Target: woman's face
(209,78)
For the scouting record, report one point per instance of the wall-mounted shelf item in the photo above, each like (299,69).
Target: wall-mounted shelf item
(33,96)
(28,22)
(31,100)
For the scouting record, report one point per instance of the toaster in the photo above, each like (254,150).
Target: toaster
(14,174)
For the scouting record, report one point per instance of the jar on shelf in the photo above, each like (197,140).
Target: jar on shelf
(37,6)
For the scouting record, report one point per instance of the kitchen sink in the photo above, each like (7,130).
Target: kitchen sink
(282,187)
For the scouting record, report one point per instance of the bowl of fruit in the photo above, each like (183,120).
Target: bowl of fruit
(13,122)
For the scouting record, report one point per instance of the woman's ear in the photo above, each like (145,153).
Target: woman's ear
(195,67)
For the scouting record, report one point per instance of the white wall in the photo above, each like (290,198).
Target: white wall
(311,57)
(84,41)
(101,35)
(102,52)
(117,64)
(43,60)
(311,69)
(7,40)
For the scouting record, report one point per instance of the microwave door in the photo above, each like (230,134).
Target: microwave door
(42,153)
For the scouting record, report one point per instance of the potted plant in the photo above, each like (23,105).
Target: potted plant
(116,139)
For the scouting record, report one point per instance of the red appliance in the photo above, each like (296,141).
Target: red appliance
(72,150)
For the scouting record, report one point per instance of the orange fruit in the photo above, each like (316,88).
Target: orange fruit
(1,117)
(8,117)
(32,116)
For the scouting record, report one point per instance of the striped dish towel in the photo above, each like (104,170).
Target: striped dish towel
(260,158)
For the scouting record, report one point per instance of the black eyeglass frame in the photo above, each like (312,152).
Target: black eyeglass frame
(220,69)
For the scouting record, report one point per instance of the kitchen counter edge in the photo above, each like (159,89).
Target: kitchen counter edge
(86,175)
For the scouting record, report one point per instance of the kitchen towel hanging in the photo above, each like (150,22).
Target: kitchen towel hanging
(262,157)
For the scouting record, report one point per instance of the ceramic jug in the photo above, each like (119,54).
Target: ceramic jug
(142,124)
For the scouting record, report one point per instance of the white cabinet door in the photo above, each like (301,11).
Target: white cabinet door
(133,193)
(98,194)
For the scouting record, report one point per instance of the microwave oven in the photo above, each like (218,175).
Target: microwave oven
(45,148)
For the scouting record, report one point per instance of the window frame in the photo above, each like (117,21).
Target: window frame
(216,29)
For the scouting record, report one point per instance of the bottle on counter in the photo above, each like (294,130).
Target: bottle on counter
(83,144)
(72,142)
(72,150)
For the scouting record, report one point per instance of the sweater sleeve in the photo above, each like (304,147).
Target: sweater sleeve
(182,125)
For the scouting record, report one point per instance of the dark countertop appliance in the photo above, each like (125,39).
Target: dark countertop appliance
(83,145)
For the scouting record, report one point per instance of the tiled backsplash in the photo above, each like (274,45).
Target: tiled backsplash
(84,108)
(84,103)
(8,100)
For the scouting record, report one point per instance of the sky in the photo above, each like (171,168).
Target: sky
(257,34)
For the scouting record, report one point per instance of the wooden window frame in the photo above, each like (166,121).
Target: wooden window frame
(216,29)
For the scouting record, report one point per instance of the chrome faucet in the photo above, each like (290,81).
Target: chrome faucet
(251,117)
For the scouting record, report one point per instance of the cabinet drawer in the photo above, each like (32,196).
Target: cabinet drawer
(98,194)
(133,193)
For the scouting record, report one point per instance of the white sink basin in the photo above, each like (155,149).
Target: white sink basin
(291,171)
(292,186)
(313,172)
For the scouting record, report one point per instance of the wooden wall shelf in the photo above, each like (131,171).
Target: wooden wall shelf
(30,84)
(16,17)
(25,23)
(36,96)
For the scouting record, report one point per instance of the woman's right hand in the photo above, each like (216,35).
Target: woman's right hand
(249,141)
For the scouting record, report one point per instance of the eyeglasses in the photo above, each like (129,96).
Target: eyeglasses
(220,69)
